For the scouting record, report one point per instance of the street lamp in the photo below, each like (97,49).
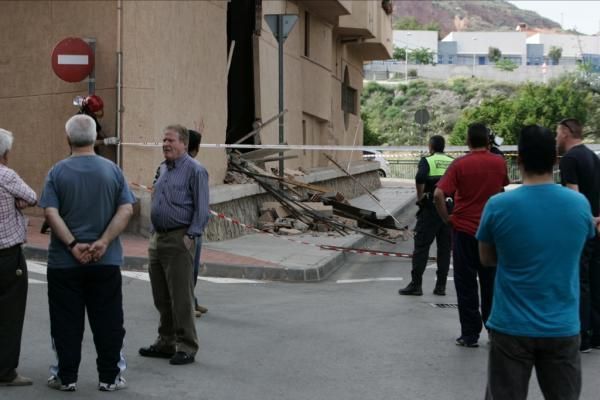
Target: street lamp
(406,58)
(474,51)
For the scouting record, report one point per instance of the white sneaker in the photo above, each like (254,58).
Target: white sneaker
(120,383)
(55,383)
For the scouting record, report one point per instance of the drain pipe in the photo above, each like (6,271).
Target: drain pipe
(119,121)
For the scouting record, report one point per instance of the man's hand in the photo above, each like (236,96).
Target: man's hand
(199,126)
(111,141)
(81,253)
(97,249)
(21,204)
(188,242)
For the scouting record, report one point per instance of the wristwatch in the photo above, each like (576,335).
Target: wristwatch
(72,244)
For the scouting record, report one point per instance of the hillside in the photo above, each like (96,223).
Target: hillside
(469,15)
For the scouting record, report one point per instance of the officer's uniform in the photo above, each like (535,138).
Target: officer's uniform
(430,227)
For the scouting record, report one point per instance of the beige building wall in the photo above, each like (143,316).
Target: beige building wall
(174,71)
(35,103)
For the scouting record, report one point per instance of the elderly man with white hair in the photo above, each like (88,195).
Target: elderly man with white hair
(87,203)
(15,195)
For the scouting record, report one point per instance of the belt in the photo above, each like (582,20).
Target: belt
(160,230)
(11,249)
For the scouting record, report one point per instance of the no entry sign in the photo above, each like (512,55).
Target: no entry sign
(72,59)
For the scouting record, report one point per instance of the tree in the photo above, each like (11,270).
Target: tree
(399,53)
(421,55)
(532,104)
(555,53)
(494,54)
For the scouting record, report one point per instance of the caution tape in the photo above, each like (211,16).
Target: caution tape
(320,246)
(449,149)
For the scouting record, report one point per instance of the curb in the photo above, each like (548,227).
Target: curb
(317,273)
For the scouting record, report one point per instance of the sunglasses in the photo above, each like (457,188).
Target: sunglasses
(565,123)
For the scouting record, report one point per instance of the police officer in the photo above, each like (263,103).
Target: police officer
(429,225)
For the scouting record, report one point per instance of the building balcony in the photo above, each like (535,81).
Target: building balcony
(328,10)
(370,32)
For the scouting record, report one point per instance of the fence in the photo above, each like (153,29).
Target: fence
(406,168)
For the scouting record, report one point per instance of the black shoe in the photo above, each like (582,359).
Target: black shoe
(439,290)
(181,358)
(411,290)
(156,352)
(466,342)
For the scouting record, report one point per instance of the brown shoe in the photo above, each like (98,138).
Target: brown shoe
(18,381)
(201,309)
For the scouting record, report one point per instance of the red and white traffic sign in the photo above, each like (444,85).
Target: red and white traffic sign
(72,59)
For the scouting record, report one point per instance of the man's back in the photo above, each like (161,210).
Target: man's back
(539,232)
(581,166)
(86,190)
(473,179)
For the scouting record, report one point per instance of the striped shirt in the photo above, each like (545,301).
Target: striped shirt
(180,198)
(13,225)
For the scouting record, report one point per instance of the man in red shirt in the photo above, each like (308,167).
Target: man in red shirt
(472,180)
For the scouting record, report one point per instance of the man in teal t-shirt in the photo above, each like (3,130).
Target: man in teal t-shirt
(535,235)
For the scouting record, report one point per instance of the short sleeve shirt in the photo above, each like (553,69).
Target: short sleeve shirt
(472,180)
(86,190)
(581,166)
(539,232)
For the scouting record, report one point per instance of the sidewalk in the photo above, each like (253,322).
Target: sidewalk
(260,256)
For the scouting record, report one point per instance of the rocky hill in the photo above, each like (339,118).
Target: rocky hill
(489,15)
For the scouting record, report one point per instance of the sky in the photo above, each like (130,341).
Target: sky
(584,15)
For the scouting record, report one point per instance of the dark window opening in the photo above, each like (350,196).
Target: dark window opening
(349,95)
(241,26)
(306,34)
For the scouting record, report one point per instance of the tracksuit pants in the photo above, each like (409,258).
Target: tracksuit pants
(467,268)
(72,291)
(429,227)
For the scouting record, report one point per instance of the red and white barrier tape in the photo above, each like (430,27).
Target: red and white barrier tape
(320,246)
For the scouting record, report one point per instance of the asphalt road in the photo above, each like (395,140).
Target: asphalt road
(351,337)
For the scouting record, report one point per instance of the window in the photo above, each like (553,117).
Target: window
(450,59)
(306,34)
(349,96)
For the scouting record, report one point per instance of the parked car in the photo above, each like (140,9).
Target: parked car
(377,156)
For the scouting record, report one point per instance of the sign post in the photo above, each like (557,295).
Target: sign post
(422,117)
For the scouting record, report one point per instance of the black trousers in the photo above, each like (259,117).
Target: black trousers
(70,292)
(13,297)
(467,268)
(430,227)
(557,365)
(589,304)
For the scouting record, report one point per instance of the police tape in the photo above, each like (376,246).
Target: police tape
(375,151)
(320,246)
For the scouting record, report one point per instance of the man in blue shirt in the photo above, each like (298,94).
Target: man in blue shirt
(179,214)
(534,235)
(87,204)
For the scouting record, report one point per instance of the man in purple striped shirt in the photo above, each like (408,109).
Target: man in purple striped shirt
(14,196)
(179,214)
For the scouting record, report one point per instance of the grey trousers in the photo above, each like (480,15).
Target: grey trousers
(171,278)
(13,296)
(557,365)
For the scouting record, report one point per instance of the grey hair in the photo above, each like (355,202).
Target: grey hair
(6,141)
(81,130)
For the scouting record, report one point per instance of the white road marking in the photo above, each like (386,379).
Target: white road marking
(368,280)
(36,282)
(434,266)
(40,268)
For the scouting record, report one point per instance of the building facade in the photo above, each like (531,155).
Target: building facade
(165,62)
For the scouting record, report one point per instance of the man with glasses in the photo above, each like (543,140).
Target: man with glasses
(580,171)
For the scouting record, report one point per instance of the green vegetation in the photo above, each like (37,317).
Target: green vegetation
(421,55)
(494,54)
(411,24)
(530,104)
(555,53)
(388,110)
(506,65)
